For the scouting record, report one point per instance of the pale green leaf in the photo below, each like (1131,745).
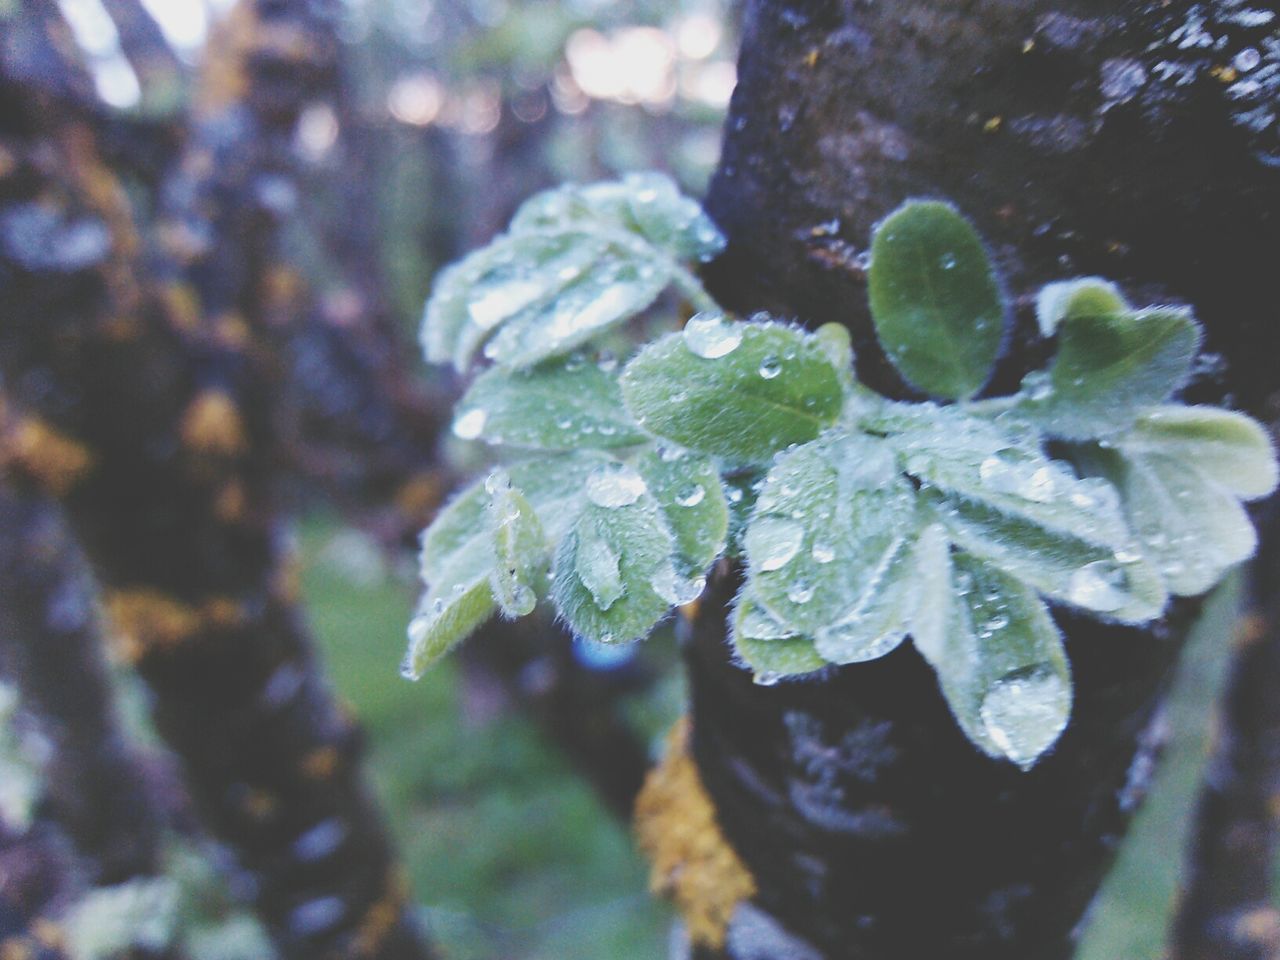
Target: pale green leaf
(771,649)
(1085,297)
(521,552)
(934,300)
(446,616)
(741,391)
(688,488)
(1229,448)
(559,405)
(613,607)
(831,518)
(1189,527)
(1001,664)
(1108,369)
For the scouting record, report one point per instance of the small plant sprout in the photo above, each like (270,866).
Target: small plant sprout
(858,521)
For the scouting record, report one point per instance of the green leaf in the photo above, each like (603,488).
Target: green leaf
(831,519)
(563,404)
(1000,664)
(934,299)
(444,619)
(458,546)
(772,650)
(1190,528)
(610,567)
(1108,369)
(741,391)
(688,488)
(575,262)
(1086,297)
(521,550)
(1230,449)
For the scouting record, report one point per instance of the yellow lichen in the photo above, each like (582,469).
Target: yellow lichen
(47,456)
(147,620)
(691,860)
(211,425)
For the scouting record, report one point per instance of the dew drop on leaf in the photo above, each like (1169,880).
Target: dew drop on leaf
(691,496)
(767,678)
(801,592)
(470,424)
(823,553)
(772,542)
(711,336)
(1097,586)
(770,367)
(615,485)
(1025,713)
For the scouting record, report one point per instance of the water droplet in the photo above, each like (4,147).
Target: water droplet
(1025,712)
(470,425)
(1038,386)
(947,261)
(711,336)
(770,367)
(772,542)
(767,678)
(734,494)
(671,454)
(691,495)
(801,592)
(523,600)
(607,363)
(564,423)
(1127,555)
(823,553)
(1097,586)
(614,485)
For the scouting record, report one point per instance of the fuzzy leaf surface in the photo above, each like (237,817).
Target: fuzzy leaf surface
(937,308)
(742,391)
(1228,448)
(521,550)
(688,489)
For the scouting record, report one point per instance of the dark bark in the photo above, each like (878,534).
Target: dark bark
(164,394)
(97,786)
(874,829)
(36,882)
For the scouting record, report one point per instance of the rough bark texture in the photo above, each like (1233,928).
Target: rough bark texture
(152,389)
(1082,137)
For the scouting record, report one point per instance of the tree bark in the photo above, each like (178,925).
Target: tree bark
(1081,137)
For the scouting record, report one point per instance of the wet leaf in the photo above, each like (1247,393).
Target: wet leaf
(521,551)
(1110,368)
(772,650)
(1228,448)
(934,300)
(446,616)
(737,390)
(1000,663)
(1086,297)
(831,520)
(575,262)
(688,489)
(559,405)
(606,567)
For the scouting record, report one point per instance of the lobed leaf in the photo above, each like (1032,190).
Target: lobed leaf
(934,300)
(771,649)
(1109,368)
(742,391)
(563,404)
(1000,663)
(1085,297)
(688,489)
(1227,448)
(521,550)
(445,618)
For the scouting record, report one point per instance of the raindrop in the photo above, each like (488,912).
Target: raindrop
(1097,586)
(770,367)
(615,485)
(772,542)
(711,336)
(767,678)
(801,592)
(823,553)
(470,424)
(1025,712)
(948,261)
(691,496)
(523,600)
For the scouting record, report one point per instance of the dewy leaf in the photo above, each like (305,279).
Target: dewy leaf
(934,300)
(1000,664)
(575,262)
(831,521)
(563,404)
(606,567)
(1108,369)
(1191,529)
(771,649)
(521,550)
(742,391)
(444,619)
(1086,297)
(688,489)
(1228,448)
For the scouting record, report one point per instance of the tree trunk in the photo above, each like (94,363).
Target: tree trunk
(1081,137)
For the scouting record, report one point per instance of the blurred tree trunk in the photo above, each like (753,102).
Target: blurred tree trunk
(1082,137)
(150,378)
